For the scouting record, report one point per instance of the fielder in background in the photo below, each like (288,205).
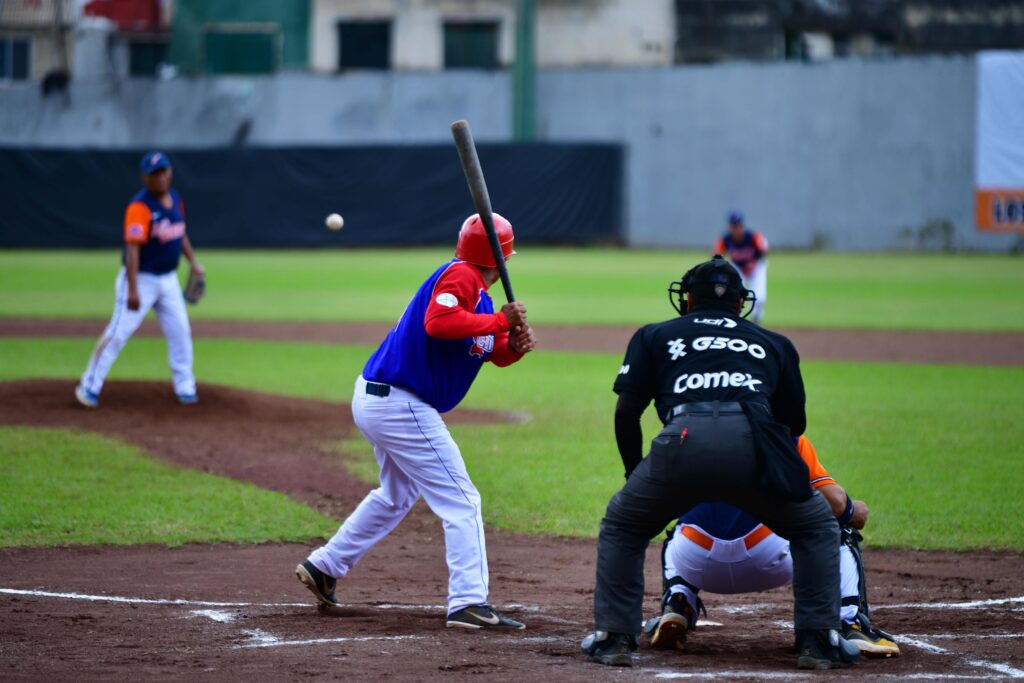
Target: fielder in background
(721,549)
(748,251)
(154,241)
(731,397)
(424,368)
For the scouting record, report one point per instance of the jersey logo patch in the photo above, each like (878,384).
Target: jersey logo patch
(135,231)
(717,322)
(735,345)
(677,349)
(482,345)
(624,370)
(447,300)
(714,380)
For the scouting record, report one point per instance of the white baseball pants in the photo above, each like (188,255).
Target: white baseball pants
(417,457)
(162,293)
(730,567)
(758,283)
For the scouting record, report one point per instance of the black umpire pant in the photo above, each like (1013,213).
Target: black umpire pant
(716,462)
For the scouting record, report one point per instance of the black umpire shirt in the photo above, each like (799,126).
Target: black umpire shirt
(706,355)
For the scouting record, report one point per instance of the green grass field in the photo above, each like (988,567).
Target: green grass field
(937,452)
(599,286)
(62,487)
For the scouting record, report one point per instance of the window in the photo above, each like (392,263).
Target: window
(240,52)
(14,53)
(145,56)
(471,45)
(364,45)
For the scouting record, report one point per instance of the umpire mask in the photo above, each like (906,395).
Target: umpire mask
(714,283)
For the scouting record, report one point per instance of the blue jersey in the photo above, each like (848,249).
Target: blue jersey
(439,371)
(720,520)
(157,229)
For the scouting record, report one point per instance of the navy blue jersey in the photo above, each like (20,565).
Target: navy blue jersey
(439,371)
(720,520)
(744,253)
(157,229)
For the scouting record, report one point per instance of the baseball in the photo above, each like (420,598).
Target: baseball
(335,221)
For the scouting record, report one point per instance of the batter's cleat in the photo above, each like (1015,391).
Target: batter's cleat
(188,399)
(669,633)
(318,583)
(86,397)
(610,649)
(481,616)
(870,641)
(824,649)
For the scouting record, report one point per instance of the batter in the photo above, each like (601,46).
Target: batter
(424,368)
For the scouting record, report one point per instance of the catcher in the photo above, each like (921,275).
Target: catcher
(721,549)
(154,242)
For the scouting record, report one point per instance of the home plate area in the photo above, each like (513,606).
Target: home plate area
(225,612)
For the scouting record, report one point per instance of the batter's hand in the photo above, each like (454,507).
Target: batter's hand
(516,314)
(522,340)
(133,301)
(860,514)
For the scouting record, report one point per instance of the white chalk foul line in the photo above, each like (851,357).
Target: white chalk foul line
(262,639)
(964,636)
(146,601)
(973,604)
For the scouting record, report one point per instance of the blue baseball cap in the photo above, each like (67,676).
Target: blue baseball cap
(154,161)
(735,217)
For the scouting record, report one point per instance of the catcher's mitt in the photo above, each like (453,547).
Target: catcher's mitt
(195,287)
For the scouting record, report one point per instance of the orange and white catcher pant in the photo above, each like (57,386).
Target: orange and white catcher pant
(756,562)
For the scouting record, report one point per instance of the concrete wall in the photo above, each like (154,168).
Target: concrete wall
(846,153)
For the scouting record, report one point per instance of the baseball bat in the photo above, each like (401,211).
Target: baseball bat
(481,199)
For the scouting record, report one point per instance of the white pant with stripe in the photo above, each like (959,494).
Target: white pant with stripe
(730,567)
(162,293)
(417,457)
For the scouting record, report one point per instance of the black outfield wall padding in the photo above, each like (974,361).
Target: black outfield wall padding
(262,197)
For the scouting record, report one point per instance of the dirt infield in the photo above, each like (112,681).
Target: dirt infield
(969,348)
(226,612)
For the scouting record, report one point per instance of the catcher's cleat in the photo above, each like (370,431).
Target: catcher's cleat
(86,397)
(669,633)
(188,399)
(318,583)
(481,616)
(610,649)
(824,649)
(870,641)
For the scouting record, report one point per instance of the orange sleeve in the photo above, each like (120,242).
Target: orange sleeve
(760,243)
(136,223)
(819,475)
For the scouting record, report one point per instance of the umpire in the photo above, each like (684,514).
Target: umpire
(732,399)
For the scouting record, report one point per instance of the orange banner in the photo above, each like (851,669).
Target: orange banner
(1000,210)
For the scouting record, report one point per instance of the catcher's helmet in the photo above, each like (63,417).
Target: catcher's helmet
(473,246)
(713,281)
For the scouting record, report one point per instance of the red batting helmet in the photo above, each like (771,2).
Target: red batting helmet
(473,246)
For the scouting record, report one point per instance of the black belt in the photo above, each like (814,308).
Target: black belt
(378,389)
(708,407)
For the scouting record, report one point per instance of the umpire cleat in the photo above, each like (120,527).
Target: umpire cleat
(669,633)
(86,397)
(870,641)
(481,616)
(318,583)
(610,649)
(824,649)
